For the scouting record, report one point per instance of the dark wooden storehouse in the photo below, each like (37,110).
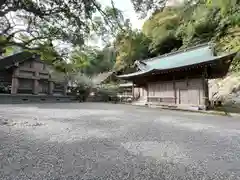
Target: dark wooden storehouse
(180,79)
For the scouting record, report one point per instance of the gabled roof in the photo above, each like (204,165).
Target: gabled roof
(10,61)
(100,78)
(188,57)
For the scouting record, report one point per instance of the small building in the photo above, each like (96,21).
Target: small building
(179,79)
(25,74)
(103,78)
(126,92)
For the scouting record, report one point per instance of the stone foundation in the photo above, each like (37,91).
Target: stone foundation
(21,98)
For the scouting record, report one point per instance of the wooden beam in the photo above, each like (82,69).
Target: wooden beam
(133,89)
(205,87)
(147,88)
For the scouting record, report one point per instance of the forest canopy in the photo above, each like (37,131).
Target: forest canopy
(168,28)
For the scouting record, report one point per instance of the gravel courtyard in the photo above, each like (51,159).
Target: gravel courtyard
(96,141)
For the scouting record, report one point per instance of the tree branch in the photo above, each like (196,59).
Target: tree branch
(113,6)
(105,16)
(8,26)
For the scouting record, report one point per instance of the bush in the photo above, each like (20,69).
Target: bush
(81,86)
(108,93)
(5,88)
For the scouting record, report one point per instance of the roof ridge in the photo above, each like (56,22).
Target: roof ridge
(9,61)
(178,51)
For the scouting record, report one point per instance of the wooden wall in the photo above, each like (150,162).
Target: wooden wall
(58,89)
(140,92)
(136,92)
(43,86)
(33,77)
(180,92)
(25,86)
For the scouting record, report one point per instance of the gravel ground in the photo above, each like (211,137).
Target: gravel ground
(107,141)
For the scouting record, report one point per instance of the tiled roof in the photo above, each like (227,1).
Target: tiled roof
(192,56)
(181,58)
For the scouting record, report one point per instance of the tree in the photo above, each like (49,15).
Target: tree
(90,61)
(113,16)
(161,29)
(130,46)
(29,23)
(145,6)
(191,23)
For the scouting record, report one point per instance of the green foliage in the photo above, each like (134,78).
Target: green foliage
(81,85)
(145,6)
(224,5)
(108,27)
(91,61)
(231,43)
(168,29)
(173,28)
(11,50)
(107,92)
(200,28)
(45,20)
(161,28)
(193,23)
(40,26)
(130,46)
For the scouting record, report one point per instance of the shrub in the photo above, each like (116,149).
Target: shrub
(108,93)
(81,86)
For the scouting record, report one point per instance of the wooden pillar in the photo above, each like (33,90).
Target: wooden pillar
(203,93)
(36,83)
(65,89)
(50,87)
(15,85)
(205,88)
(35,86)
(132,90)
(174,89)
(15,81)
(147,89)
(207,93)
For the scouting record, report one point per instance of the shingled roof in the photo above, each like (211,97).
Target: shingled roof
(10,61)
(192,56)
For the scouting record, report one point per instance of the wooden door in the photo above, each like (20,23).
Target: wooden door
(142,92)
(183,96)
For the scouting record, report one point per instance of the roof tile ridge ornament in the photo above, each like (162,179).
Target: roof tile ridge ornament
(142,66)
(179,51)
(212,46)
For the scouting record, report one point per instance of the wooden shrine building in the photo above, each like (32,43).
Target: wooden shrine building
(180,79)
(25,74)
